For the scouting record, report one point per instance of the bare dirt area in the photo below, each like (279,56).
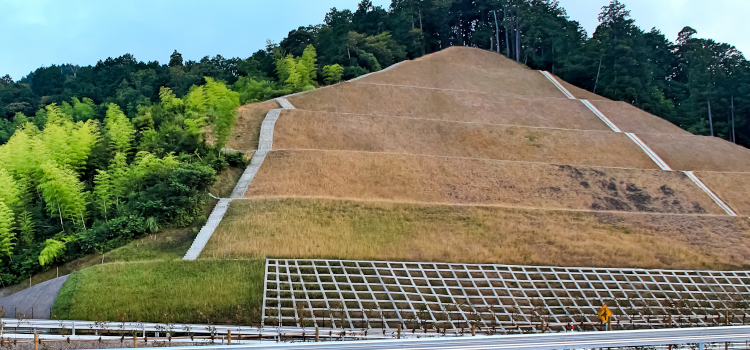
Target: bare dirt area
(371,99)
(299,129)
(246,130)
(426,73)
(732,188)
(631,119)
(319,228)
(408,178)
(698,153)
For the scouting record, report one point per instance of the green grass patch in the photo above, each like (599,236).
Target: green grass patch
(207,291)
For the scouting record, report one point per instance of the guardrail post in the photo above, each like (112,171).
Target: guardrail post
(135,339)
(700,346)
(73,327)
(398,332)
(229,337)
(317,334)
(36,341)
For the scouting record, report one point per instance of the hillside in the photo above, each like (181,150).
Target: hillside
(387,152)
(416,164)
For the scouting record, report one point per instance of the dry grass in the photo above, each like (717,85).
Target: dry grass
(443,75)
(298,129)
(699,153)
(225,182)
(298,228)
(408,178)
(632,119)
(469,56)
(732,188)
(246,130)
(449,105)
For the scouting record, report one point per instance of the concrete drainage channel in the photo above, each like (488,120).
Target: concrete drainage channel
(642,145)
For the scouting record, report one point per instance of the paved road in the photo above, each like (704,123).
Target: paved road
(37,299)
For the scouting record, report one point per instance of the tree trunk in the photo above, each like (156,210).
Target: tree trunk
(420,20)
(507,37)
(733,136)
(710,120)
(597,73)
(518,39)
(59,211)
(497,31)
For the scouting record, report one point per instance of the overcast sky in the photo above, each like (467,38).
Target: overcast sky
(45,32)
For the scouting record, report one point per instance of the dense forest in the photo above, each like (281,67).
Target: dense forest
(95,156)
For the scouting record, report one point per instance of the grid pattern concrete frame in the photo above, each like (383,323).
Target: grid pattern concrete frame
(381,294)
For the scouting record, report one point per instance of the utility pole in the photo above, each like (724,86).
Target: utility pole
(710,121)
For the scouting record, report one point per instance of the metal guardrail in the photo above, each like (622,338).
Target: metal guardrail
(698,337)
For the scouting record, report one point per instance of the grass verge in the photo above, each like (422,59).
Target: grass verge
(207,291)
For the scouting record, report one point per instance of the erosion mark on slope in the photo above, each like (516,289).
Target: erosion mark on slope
(265,144)
(662,164)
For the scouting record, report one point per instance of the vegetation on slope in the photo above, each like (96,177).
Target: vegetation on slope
(334,229)
(165,291)
(76,186)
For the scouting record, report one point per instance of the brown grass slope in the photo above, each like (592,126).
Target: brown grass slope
(299,129)
(469,56)
(407,178)
(305,228)
(699,153)
(631,119)
(449,105)
(499,80)
(732,188)
(246,130)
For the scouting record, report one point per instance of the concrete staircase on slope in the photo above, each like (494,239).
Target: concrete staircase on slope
(265,144)
(205,234)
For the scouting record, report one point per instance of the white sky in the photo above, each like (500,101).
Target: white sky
(722,20)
